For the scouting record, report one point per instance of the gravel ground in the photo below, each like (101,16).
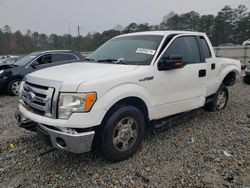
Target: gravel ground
(204,150)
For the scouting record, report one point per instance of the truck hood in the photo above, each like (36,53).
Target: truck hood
(74,74)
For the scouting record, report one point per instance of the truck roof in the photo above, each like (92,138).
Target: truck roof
(163,33)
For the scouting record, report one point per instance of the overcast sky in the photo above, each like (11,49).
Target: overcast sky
(54,16)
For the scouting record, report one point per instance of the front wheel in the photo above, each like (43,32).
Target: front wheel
(219,101)
(14,87)
(122,133)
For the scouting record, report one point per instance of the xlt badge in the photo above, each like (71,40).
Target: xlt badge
(146,79)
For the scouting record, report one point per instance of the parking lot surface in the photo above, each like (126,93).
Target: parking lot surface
(204,149)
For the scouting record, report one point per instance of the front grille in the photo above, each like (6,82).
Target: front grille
(37,99)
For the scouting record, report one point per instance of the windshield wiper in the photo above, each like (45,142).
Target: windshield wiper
(116,61)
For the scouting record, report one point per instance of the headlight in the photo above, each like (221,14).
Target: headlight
(21,89)
(1,71)
(75,102)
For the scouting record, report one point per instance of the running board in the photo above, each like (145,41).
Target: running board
(167,122)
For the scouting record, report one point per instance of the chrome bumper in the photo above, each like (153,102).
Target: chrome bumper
(24,122)
(66,139)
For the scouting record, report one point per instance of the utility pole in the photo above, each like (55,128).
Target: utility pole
(69,35)
(78,29)
(79,37)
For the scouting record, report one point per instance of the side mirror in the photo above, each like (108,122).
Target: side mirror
(34,64)
(170,63)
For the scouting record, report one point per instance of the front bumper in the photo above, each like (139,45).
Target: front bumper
(24,122)
(66,139)
(76,120)
(3,84)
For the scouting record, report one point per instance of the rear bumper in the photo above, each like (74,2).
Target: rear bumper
(66,139)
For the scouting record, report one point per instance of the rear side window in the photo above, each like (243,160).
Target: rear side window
(187,47)
(204,47)
(63,57)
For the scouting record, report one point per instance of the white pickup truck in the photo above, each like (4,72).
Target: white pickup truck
(130,83)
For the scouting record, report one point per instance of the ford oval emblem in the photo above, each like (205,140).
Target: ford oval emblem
(30,96)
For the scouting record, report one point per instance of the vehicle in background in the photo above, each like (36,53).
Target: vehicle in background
(227,44)
(11,60)
(2,58)
(131,82)
(246,78)
(11,75)
(246,43)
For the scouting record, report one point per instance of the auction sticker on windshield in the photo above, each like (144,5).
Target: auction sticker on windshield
(145,51)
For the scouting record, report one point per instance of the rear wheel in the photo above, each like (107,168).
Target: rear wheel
(122,133)
(14,87)
(219,101)
(246,79)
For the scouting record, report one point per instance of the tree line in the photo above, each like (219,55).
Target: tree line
(229,25)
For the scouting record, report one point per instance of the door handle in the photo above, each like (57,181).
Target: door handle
(202,73)
(212,66)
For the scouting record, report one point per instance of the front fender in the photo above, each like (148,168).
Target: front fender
(123,91)
(226,70)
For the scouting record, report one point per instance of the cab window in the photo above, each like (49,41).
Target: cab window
(186,47)
(204,47)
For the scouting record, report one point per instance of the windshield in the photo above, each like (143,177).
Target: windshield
(26,59)
(133,50)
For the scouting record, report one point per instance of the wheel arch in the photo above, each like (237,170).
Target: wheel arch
(230,79)
(16,77)
(229,76)
(132,101)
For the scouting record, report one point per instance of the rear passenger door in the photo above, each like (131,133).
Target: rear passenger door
(212,69)
(182,89)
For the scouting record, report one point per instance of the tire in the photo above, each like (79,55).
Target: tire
(246,80)
(219,101)
(14,87)
(122,133)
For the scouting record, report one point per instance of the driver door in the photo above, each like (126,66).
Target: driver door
(180,89)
